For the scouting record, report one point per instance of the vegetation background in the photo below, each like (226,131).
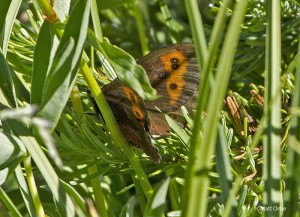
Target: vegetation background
(235,157)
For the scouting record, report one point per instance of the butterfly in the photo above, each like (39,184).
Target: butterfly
(174,73)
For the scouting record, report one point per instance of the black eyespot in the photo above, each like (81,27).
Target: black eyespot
(174,60)
(173,86)
(174,63)
(174,66)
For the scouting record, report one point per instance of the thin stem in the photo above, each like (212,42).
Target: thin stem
(272,150)
(32,187)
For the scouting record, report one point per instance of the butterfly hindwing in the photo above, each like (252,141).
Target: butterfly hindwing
(131,115)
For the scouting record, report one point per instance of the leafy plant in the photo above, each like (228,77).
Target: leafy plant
(60,158)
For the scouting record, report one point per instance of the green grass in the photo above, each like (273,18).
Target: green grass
(238,154)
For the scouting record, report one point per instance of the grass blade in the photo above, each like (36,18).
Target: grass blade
(272,99)
(41,60)
(9,204)
(7,84)
(25,191)
(293,154)
(198,173)
(10,8)
(155,206)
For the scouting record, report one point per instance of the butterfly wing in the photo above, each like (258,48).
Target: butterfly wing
(139,139)
(131,115)
(174,73)
(158,124)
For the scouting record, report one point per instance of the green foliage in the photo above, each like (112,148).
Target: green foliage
(62,74)
(58,158)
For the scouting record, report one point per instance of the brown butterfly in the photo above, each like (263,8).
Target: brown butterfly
(173,72)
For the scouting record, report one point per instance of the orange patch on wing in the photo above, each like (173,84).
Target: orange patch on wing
(138,114)
(175,64)
(131,95)
(135,108)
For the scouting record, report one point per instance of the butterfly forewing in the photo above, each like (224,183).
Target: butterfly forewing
(174,73)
